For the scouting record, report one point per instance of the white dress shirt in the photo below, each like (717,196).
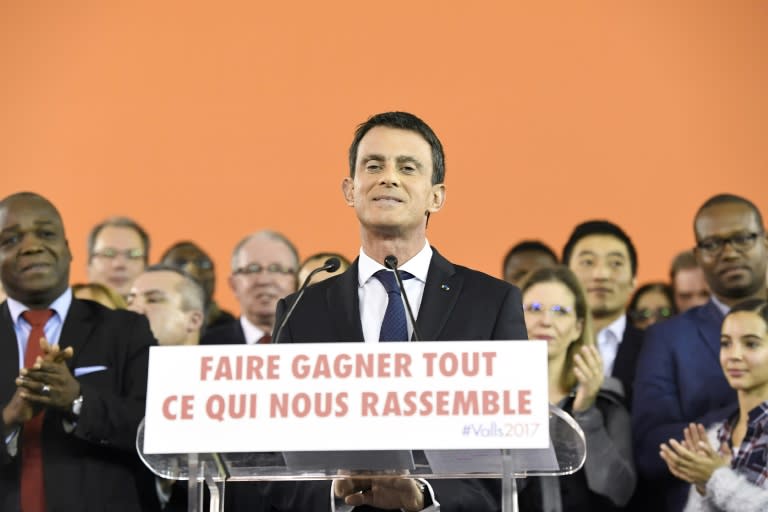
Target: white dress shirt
(252,333)
(373,296)
(608,341)
(373,304)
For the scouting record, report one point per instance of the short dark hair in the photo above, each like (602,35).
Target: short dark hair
(600,227)
(192,294)
(728,199)
(759,306)
(30,195)
(184,243)
(119,222)
(528,246)
(403,121)
(686,260)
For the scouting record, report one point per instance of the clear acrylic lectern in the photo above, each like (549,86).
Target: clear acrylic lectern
(565,455)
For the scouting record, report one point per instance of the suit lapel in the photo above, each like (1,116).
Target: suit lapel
(441,292)
(344,305)
(76,330)
(9,354)
(709,320)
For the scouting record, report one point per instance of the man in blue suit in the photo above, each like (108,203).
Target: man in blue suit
(679,379)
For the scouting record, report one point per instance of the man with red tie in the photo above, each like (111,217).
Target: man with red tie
(73,376)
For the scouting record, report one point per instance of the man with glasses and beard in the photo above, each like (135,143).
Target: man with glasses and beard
(679,379)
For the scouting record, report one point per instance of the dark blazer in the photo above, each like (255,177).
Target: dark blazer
(458,304)
(625,364)
(678,381)
(230,333)
(95,466)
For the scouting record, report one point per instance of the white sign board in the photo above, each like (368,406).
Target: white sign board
(347,396)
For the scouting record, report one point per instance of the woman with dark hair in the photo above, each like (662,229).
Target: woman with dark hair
(556,311)
(651,303)
(728,464)
(192,259)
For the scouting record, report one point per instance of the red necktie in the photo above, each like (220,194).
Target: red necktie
(32,493)
(267,338)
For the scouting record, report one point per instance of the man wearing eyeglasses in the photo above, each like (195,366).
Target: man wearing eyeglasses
(118,251)
(679,379)
(264,266)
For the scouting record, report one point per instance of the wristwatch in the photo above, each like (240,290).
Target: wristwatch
(425,494)
(77,405)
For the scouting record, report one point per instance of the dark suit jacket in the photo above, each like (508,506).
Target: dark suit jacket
(95,466)
(458,304)
(678,381)
(230,333)
(625,364)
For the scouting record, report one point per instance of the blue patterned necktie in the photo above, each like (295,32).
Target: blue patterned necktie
(395,326)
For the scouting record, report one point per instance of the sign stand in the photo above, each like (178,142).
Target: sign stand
(215,470)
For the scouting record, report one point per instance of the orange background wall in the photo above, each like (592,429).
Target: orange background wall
(211,120)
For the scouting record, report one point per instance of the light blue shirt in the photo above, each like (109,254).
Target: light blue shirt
(52,328)
(22,328)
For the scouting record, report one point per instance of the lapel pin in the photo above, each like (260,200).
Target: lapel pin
(445,287)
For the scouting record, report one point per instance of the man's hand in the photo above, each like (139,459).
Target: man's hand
(385,493)
(17,412)
(49,382)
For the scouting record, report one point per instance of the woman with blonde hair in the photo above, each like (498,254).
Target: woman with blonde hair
(556,311)
(100,293)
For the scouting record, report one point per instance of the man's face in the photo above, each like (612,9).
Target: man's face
(522,263)
(156,295)
(392,189)
(602,264)
(690,288)
(265,273)
(34,254)
(731,272)
(195,263)
(117,258)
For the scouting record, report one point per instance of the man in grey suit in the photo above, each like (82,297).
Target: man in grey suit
(396,182)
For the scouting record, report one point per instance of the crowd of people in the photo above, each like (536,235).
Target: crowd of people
(667,380)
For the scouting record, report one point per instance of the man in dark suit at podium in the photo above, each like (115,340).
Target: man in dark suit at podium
(396,182)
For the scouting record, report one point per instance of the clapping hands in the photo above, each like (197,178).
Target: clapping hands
(694,460)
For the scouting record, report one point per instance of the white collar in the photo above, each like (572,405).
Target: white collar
(60,306)
(418,266)
(616,328)
(252,333)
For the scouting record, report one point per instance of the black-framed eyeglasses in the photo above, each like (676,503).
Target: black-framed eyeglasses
(256,268)
(202,263)
(110,253)
(740,241)
(662,313)
(537,308)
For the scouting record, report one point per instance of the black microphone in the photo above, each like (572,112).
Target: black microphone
(331,265)
(391,263)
